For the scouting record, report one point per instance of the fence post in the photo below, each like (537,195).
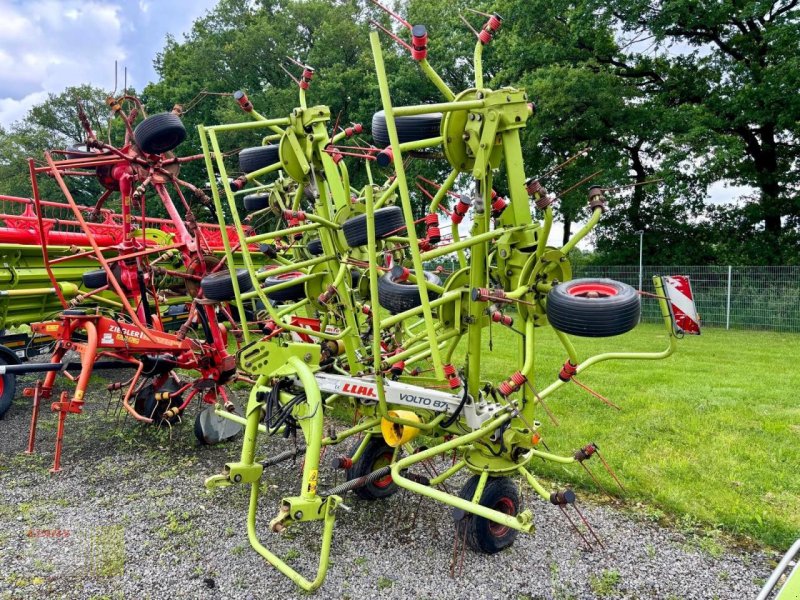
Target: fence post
(728,309)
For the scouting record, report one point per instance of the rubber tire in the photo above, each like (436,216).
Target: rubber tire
(146,405)
(159,133)
(376,448)
(254,202)
(294,292)
(593,317)
(314,247)
(480,536)
(8,385)
(409,129)
(258,157)
(219,286)
(80,151)
(399,297)
(94,279)
(387,222)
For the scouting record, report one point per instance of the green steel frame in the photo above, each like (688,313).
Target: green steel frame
(479,133)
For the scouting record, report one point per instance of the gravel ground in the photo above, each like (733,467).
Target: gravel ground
(128,517)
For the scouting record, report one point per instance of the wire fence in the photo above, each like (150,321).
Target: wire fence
(766,298)
(731,297)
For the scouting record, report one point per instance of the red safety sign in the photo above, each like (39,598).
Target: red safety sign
(679,293)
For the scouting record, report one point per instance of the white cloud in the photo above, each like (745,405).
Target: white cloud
(724,192)
(46,46)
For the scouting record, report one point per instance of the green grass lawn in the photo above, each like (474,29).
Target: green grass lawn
(711,434)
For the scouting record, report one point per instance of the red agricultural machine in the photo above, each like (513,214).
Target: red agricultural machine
(116,316)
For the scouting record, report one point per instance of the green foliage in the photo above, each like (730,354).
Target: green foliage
(51,125)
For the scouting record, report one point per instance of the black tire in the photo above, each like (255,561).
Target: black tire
(258,157)
(293,292)
(314,247)
(159,133)
(146,404)
(409,129)
(355,279)
(80,151)
(396,296)
(484,535)
(8,383)
(388,221)
(593,307)
(377,454)
(94,279)
(219,286)
(254,202)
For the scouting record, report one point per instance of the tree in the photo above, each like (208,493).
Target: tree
(737,70)
(53,124)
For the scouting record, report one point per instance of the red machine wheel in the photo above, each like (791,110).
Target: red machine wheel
(593,307)
(484,535)
(294,292)
(376,455)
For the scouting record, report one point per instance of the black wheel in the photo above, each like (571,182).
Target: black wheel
(355,279)
(293,292)
(409,129)
(254,202)
(398,296)
(146,404)
(211,429)
(94,279)
(388,221)
(80,151)
(314,247)
(8,384)
(159,133)
(484,535)
(258,157)
(593,307)
(377,454)
(219,286)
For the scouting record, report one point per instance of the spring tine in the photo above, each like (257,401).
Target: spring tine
(456,536)
(630,185)
(575,527)
(395,16)
(610,470)
(293,78)
(544,406)
(589,527)
(463,550)
(580,183)
(560,166)
(595,479)
(471,28)
(595,394)
(390,34)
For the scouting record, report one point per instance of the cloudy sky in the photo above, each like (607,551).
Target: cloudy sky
(47,45)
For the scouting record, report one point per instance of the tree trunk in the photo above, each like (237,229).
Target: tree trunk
(567,229)
(640,175)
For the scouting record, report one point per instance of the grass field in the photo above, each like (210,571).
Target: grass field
(710,435)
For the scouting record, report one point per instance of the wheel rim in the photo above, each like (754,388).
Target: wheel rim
(383,460)
(2,383)
(506,506)
(593,290)
(288,276)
